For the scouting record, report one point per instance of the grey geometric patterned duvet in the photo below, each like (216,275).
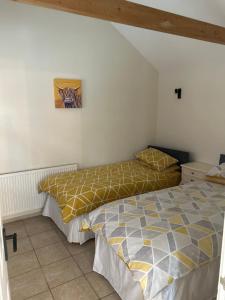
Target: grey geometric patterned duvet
(163,235)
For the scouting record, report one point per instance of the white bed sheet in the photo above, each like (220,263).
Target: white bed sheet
(200,284)
(71,229)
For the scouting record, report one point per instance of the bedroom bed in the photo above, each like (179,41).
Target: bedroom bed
(70,196)
(163,244)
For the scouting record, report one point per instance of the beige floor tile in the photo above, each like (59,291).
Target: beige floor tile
(61,272)
(43,296)
(28,285)
(23,245)
(78,289)
(99,284)
(38,224)
(16,227)
(52,253)
(75,249)
(60,234)
(113,296)
(44,239)
(85,260)
(22,263)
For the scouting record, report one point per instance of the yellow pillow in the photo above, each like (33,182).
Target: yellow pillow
(156,159)
(173,168)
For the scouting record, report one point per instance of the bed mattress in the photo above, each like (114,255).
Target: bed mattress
(82,191)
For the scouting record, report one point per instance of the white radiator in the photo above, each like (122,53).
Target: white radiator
(19,191)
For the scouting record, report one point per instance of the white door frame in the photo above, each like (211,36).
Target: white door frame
(4,281)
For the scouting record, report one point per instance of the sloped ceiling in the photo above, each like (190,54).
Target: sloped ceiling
(164,51)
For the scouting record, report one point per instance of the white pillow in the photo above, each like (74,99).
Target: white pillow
(218,171)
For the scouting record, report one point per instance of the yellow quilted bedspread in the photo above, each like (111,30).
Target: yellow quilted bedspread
(82,191)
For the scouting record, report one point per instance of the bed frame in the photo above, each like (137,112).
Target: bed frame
(183,157)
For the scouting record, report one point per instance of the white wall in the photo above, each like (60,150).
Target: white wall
(197,121)
(119,90)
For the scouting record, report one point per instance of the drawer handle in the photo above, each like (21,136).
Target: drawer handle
(192,173)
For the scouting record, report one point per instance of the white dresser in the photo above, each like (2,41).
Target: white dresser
(194,171)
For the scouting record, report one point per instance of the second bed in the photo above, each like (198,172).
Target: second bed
(70,196)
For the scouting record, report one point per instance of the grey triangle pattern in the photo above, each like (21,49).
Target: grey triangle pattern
(158,255)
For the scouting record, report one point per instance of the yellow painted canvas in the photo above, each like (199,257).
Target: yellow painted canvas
(67,93)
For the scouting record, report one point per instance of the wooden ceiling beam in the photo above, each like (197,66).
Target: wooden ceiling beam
(129,13)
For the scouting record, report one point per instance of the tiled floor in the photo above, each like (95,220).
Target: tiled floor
(47,267)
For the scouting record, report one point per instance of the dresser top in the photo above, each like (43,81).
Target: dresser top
(198,166)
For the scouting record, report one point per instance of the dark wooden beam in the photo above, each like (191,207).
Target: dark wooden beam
(126,12)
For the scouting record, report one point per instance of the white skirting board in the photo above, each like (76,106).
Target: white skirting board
(19,191)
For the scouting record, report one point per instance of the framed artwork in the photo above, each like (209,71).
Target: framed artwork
(67,93)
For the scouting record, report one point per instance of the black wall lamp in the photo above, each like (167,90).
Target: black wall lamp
(179,93)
